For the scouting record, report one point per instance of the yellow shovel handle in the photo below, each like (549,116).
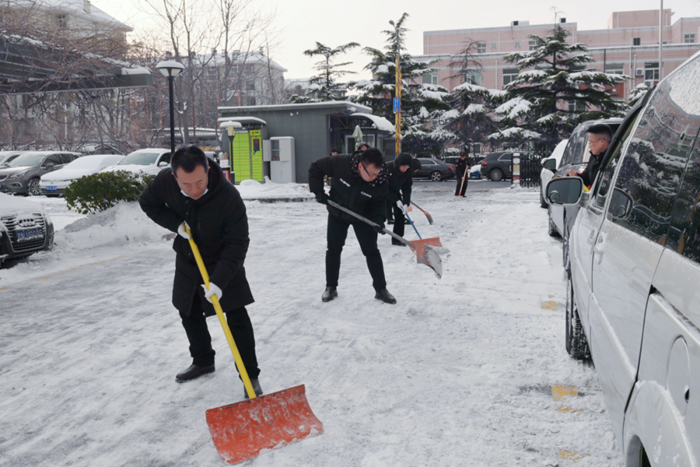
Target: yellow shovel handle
(222,319)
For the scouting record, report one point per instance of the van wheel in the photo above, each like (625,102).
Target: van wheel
(576,343)
(436,176)
(543,203)
(496,175)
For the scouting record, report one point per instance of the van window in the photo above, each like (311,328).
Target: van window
(604,179)
(684,234)
(653,166)
(574,151)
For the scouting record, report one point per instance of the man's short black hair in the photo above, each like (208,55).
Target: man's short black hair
(372,156)
(601,129)
(334,150)
(363,144)
(188,159)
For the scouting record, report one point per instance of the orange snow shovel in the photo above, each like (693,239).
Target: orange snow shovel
(242,430)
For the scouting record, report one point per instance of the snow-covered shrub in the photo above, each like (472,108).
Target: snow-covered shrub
(97,192)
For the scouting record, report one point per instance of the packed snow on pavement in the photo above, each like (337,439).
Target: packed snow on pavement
(469,370)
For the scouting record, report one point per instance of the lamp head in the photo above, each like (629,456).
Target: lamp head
(170,68)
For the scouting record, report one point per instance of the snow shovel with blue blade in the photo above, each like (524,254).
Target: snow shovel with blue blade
(424,253)
(242,430)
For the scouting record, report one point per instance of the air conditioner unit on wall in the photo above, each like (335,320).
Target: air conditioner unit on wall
(639,72)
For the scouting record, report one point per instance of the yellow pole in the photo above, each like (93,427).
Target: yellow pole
(397,115)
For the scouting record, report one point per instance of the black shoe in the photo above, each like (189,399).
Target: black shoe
(329,294)
(385,296)
(256,387)
(390,221)
(194,372)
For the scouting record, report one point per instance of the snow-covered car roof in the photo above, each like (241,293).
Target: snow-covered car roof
(10,205)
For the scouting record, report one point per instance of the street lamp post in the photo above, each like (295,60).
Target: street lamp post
(397,98)
(170,69)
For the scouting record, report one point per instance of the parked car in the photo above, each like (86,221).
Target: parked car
(8,156)
(496,166)
(434,169)
(149,160)
(632,297)
(576,155)
(53,183)
(549,166)
(24,228)
(21,176)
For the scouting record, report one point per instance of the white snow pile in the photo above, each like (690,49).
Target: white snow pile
(251,189)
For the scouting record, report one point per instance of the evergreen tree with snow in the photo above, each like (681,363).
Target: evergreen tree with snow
(324,86)
(554,92)
(472,118)
(422,105)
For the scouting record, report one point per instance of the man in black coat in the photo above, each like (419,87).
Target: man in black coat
(195,193)
(359,183)
(462,172)
(399,194)
(599,137)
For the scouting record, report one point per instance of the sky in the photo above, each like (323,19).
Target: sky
(302,23)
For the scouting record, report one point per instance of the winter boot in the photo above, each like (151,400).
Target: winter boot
(329,294)
(385,296)
(194,372)
(256,387)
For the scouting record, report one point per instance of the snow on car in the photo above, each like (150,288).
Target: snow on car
(53,183)
(149,160)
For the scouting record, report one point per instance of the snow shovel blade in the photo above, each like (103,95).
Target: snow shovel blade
(242,430)
(428,256)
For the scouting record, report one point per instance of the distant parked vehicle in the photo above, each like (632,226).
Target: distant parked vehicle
(496,166)
(21,176)
(24,228)
(53,183)
(434,169)
(149,160)
(549,166)
(8,156)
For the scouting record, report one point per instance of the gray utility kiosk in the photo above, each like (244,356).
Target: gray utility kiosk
(279,140)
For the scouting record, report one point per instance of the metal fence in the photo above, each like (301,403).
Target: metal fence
(530,167)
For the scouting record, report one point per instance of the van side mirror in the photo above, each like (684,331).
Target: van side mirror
(550,164)
(564,190)
(621,204)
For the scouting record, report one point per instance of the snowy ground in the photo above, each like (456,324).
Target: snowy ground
(469,370)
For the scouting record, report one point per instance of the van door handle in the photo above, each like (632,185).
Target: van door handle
(590,237)
(599,247)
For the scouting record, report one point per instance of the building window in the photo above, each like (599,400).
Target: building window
(481,47)
(636,41)
(430,78)
(533,44)
(494,46)
(509,74)
(614,68)
(651,70)
(62,21)
(517,44)
(689,38)
(576,106)
(473,77)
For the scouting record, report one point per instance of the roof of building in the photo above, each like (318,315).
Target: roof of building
(79,8)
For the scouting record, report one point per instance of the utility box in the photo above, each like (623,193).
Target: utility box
(282,159)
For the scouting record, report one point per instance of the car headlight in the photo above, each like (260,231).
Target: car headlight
(18,175)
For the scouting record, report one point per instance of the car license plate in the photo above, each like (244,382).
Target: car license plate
(31,234)
(51,188)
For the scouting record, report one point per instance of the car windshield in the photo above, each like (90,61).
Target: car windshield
(31,159)
(140,158)
(87,162)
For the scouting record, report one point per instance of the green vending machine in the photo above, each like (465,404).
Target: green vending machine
(248,155)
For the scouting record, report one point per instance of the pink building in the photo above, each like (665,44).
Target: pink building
(629,45)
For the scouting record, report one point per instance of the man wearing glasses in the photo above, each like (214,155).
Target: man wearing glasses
(599,137)
(359,183)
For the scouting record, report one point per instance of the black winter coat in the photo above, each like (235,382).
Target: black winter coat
(591,171)
(461,167)
(349,189)
(400,185)
(219,228)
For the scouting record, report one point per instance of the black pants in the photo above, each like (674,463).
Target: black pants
(460,190)
(195,325)
(399,223)
(366,237)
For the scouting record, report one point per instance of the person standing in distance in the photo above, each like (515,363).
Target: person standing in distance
(194,193)
(462,172)
(599,137)
(399,194)
(359,183)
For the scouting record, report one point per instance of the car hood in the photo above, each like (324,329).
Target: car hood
(67,174)
(14,170)
(10,205)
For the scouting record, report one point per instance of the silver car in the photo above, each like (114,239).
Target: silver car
(21,176)
(632,298)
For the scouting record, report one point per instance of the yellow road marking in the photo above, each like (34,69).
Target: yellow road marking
(559,392)
(571,456)
(549,305)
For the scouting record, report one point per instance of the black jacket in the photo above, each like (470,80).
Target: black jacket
(400,184)
(219,228)
(349,189)
(461,167)
(591,171)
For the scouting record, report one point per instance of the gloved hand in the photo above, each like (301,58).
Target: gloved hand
(379,228)
(400,205)
(182,232)
(213,290)
(322,197)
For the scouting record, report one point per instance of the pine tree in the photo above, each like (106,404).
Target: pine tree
(422,105)
(324,87)
(553,92)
